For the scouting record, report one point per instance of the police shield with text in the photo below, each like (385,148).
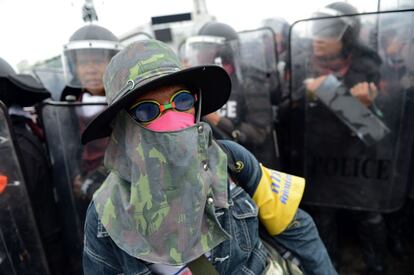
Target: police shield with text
(349,124)
(367,127)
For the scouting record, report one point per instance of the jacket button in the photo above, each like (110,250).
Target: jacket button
(200,129)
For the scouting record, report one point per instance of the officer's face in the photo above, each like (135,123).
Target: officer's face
(396,50)
(326,47)
(280,42)
(207,56)
(90,68)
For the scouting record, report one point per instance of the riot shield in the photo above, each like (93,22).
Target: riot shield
(410,181)
(262,90)
(77,170)
(21,250)
(247,116)
(207,50)
(52,79)
(351,139)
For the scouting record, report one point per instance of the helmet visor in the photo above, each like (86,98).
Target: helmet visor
(329,28)
(85,63)
(207,50)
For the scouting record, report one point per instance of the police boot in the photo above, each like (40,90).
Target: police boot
(372,234)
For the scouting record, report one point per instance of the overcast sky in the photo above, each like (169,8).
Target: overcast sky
(33,30)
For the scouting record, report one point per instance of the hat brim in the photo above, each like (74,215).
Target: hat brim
(21,89)
(68,90)
(214,82)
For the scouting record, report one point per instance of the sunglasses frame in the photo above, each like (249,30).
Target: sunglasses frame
(162,107)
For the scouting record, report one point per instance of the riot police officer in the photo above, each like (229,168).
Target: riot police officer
(247,116)
(85,58)
(78,170)
(18,91)
(228,119)
(333,137)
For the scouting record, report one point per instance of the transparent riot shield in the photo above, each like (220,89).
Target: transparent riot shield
(212,50)
(21,250)
(247,116)
(351,136)
(77,170)
(258,52)
(52,79)
(262,90)
(6,263)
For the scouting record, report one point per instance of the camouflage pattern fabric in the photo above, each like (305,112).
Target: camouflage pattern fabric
(122,73)
(158,202)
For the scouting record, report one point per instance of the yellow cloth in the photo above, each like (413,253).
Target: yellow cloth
(278,196)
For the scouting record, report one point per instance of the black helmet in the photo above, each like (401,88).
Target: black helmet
(216,43)
(5,68)
(93,32)
(396,31)
(20,89)
(346,28)
(347,9)
(278,25)
(89,44)
(218,29)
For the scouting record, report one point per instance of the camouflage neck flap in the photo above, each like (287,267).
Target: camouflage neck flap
(158,202)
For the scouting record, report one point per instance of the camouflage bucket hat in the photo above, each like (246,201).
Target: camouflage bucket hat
(150,64)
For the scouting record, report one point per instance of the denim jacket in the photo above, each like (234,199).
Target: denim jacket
(244,253)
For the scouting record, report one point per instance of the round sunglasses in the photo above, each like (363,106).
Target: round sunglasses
(148,110)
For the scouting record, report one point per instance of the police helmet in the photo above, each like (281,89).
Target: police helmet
(341,27)
(90,45)
(5,68)
(278,25)
(19,89)
(218,29)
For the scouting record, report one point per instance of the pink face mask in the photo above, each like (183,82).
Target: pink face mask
(172,121)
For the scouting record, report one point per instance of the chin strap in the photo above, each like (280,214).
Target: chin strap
(198,117)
